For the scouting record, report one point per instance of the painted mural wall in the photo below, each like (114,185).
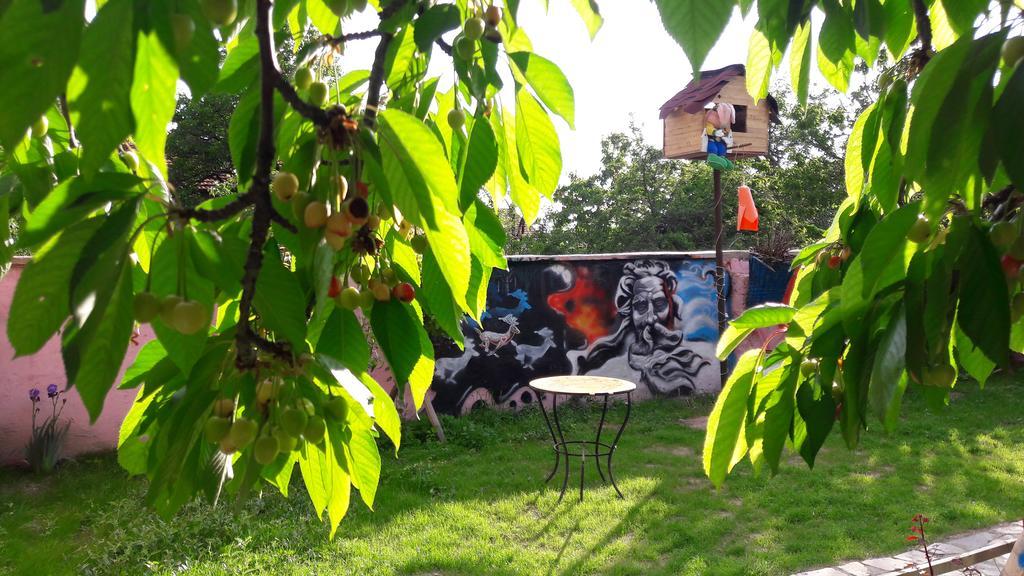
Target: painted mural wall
(647,319)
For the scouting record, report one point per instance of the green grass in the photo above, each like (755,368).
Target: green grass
(478,505)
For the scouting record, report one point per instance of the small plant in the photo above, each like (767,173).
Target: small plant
(44,448)
(919,520)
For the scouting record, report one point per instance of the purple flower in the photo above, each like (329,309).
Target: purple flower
(51,390)
(33,394)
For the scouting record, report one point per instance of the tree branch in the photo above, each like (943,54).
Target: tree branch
(315,114)
(376,79)
(355,36)
(226,211)
(444,46)
(924,26)
(62,102)
(248,341)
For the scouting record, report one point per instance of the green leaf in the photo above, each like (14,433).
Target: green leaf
(72,201)
(882,261)
(972,358)
(39,49)
(800,62)
(153,98)
(764,316)
(817,416)
(362,448)
(759,64)
(437,296)
(131,449)
(424,189)
(394,326)
(101,344)
(836,46)
(726,422)
(218,258)
(888,375)
(930,90)
(963,13)
(358,392)
(241,67)
(486,235)
(761,316)
(695,25)
(548,82)
(854,153)
(279,299)
(983,312)
(401,58)
(343,339)
(590,14)
(524,194)
(434,22)
(899,22)
(328,484)
(100,87)
(40,303)
(537,144)
(151,358)
(480,163)
(1010,127)
(385,415)
(199,62)
(242,131)
(322,17)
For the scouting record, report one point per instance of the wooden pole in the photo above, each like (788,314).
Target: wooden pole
(720,269)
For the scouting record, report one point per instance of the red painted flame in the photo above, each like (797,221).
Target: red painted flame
(587,306)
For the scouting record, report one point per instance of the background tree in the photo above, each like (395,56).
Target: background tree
(198,156)
(640,201)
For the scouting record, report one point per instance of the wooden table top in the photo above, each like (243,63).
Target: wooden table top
(582,385)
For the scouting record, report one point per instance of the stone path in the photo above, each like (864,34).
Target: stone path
(1008,532)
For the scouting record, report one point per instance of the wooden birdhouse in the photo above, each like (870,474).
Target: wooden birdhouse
(685,116)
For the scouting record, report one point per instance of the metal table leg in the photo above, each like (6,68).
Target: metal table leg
(554,439)
(565,449)
(597,443)
(611,452)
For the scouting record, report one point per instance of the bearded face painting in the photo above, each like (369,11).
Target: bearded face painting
(649,331)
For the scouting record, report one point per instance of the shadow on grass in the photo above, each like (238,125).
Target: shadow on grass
(479,505)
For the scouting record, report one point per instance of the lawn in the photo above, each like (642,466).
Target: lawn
(478,505)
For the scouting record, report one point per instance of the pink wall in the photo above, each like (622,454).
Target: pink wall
(18,375)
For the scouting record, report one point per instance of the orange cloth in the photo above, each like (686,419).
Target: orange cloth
(747,219)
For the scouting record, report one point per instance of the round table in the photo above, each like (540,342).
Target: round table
(582,386)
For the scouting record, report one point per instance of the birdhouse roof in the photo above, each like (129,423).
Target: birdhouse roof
(703,89)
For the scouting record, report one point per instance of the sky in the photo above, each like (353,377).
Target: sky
(628,71)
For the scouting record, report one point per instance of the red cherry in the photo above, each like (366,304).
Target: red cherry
(1011,266)
(834,261)
(335,288)
(404,291)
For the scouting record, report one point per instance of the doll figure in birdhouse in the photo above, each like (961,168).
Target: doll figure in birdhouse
(718,120)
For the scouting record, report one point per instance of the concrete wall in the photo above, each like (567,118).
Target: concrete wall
(18,375)
(567,312)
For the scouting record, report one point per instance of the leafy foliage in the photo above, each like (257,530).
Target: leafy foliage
(919,274)
(336,189)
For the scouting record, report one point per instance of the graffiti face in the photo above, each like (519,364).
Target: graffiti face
(649,321)
(650,303)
